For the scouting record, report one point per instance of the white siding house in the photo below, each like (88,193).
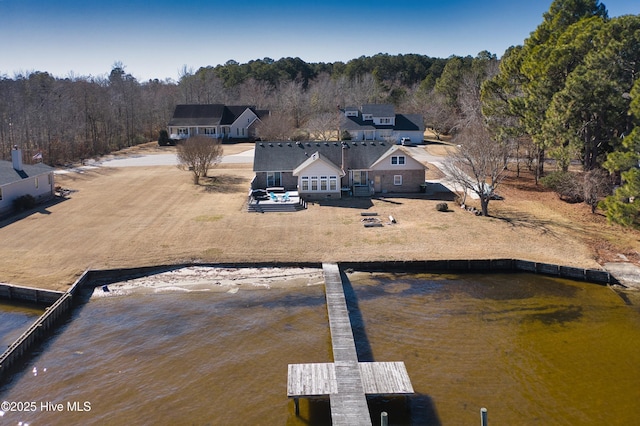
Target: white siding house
(18,179)
(226,122)
(379,122)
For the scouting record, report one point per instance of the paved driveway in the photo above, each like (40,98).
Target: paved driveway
(421,154)
(245,157)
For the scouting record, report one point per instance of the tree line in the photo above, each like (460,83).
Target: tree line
(76,117)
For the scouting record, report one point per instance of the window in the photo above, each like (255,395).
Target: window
(385,121)
(314,183)
(323,183)
(397,160)
(274,179)
(333,183)
(209,130)
(397,180)
(360,177)
(183,131)
(305,183)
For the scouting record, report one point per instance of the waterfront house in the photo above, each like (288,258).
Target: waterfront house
(335,169)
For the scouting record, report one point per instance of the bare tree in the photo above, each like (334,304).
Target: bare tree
(324,125)
(199,154)
(278,126)
(478,164)
(597,185)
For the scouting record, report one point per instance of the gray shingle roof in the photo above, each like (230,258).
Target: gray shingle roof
(286,156)
(403,122)
(9,175)
(409,122)
(210,114)
(379,110)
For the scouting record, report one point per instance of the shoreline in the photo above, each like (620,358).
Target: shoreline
(215,279)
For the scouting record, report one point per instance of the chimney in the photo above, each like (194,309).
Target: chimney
(16,158)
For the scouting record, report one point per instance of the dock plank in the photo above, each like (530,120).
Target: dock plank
(349,404)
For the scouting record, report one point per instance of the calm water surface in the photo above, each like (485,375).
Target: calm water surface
(15,319)
(533,350)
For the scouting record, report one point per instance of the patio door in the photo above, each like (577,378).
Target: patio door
(274,179)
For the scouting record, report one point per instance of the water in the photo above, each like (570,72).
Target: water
(533,350)
(15,319)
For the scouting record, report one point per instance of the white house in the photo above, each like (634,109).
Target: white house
(379,122)
(216,121)
(18,179)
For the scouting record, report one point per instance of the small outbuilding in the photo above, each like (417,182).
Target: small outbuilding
(18,179)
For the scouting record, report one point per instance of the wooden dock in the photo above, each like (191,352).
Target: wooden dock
(346,381)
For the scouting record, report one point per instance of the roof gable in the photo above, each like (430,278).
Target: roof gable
(316,159)
(397,150)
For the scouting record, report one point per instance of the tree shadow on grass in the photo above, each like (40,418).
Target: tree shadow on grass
(223,184)
(526,220)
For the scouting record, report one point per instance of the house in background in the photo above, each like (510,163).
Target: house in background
(18,179)
(332,169)
(216,121)
(379,122)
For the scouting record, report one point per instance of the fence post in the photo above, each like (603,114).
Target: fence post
(384,419)
(483,416)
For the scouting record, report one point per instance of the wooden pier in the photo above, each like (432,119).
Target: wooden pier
(346,381)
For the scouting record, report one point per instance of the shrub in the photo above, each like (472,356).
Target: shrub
(345,136)
(566,184)
(24,202)
(163,139)
(442,207)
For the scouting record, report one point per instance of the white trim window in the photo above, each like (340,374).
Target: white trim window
(323,183)
(397,180)
(398,160)
(305,183)
(314,183)
(333,183)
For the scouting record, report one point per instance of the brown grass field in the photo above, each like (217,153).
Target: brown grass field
(139,216)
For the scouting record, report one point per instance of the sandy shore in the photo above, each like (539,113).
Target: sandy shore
(202,278)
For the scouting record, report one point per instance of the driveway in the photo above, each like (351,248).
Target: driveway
(245,157)
(421,154)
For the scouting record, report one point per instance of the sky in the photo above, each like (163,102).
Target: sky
(164,38)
